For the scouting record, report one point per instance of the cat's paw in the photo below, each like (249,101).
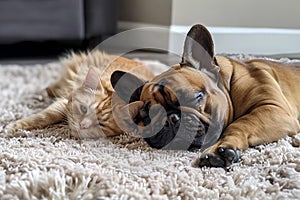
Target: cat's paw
(37,100)
(41,96)
(13,127)
(9,129)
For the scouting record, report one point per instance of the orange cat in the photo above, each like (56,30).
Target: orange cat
(83,95)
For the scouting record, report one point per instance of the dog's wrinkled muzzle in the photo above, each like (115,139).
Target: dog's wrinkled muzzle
(182,128)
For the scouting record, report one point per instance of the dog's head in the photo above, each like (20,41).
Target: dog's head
(182,108)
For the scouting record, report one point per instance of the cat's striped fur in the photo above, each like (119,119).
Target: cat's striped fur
(83,95)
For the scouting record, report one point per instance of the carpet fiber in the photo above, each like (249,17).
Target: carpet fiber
(49,164)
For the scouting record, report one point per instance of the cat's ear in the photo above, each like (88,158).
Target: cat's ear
(92,80)
(127,85)
(199,50)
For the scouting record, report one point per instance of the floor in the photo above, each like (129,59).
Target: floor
(164,57)
(24,57)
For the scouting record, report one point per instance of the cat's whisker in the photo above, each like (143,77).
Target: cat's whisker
(72,122)
(58,110)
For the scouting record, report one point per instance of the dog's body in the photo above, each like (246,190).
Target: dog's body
(264,101)
(246,103)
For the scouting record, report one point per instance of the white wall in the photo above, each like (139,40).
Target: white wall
(238,26)
(237,13)
(146,11)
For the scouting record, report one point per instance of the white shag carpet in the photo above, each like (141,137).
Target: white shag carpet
(49,164)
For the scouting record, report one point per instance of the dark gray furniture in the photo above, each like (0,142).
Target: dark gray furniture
(56,20)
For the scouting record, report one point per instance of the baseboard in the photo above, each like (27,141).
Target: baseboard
(230,40)
(127,25)
(258,41)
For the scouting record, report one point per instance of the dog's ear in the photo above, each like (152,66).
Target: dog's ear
(127,85)
(199,49)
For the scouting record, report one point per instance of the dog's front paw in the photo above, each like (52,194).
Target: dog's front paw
(222,157)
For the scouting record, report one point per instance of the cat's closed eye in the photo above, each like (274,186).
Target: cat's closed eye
(83,109)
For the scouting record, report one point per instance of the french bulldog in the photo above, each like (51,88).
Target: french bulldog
(213,103)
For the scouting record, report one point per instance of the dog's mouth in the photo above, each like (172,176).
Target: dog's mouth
(178,128)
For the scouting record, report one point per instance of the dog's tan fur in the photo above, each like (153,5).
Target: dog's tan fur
(265,102)
(257,100)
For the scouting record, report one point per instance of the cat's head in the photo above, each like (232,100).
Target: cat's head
(89,108)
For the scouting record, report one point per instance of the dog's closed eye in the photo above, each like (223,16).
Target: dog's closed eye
(200,95)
